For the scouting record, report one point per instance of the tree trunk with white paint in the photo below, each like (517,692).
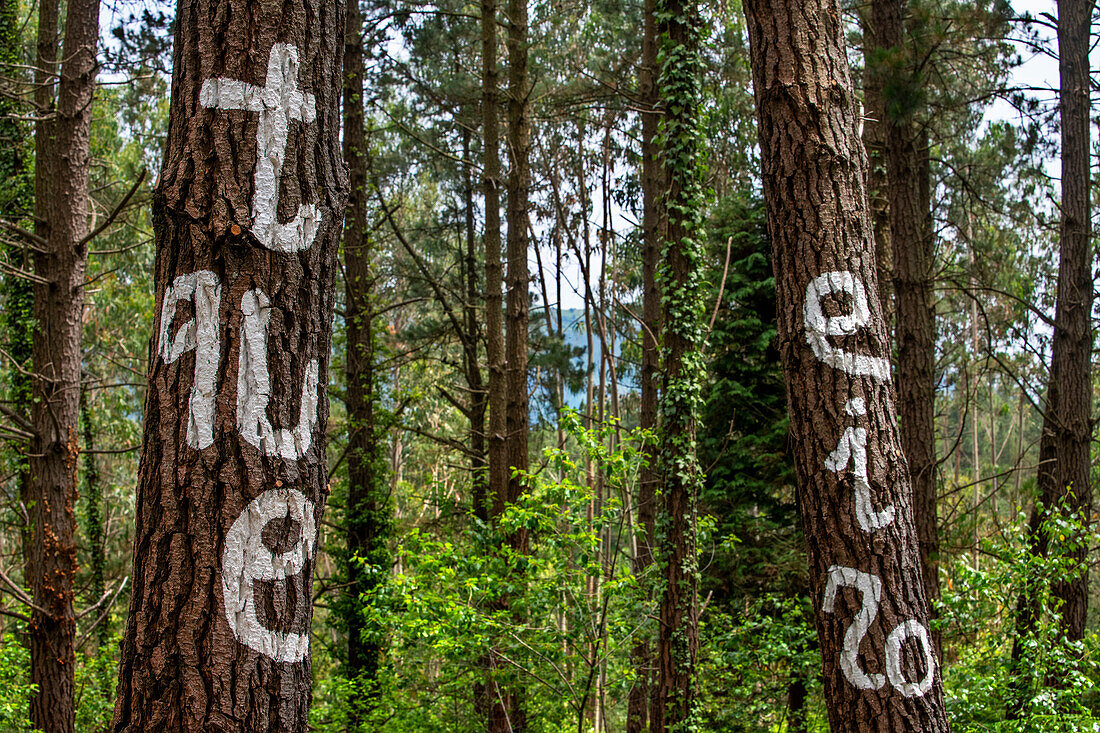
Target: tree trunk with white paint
(247,215)
(61,207)
(854,492)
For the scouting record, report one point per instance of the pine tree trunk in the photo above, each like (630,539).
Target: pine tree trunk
(639,701)
(1063,474)
(490,700)
(494,273)
(368,514)
(678,85)
(232,484)
(479,396)
(1068,418)
(910,221)
(874,142)
(518,316)
(62,155)
(871,612)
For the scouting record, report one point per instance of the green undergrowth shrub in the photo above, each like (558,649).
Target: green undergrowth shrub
(1055,679)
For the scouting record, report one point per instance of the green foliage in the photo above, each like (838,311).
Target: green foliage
(96,678)
(753,654)
(15,661)
(573,603)
(978,620)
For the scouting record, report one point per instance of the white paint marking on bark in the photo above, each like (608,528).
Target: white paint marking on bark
(915,629)
(200,334)
(254,388)
(852,448)
(279,102)
(246,559)
(818,327)
(870,588)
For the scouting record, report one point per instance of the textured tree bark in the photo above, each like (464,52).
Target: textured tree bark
(910,221)
(1064,444)
(491,703)
(880,669)
(62,154)
(479,395)
(1068,415)
(517,315)
(874,142)
(93,515)
(368,514)
(637,719)
(247,215)
(494,273)
(679,25)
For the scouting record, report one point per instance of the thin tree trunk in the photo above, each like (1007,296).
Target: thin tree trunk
(872,618)
(368,515)
(796,705)
(641,695)
(62,157)
(1064,444)
(1070,420)
(678,631)
(517,316)
(972,395)
(93,516)
(910,221)
(479,396)
(874,141)
(494,277)
(233,478)
(490,702)
(519,175)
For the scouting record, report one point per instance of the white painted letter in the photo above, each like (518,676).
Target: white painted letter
(852,448)
(200,335)
(819,327)
(893,659)
(870,588)
(246,559)
(254,388)
(278,102)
